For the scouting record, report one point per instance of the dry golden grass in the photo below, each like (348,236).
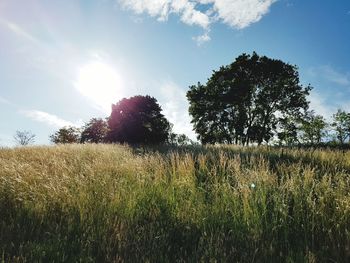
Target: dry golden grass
(112,203)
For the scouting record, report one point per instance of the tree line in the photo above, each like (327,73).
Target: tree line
(254,100)
(136,120)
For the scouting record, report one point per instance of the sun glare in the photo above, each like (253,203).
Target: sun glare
(100,83)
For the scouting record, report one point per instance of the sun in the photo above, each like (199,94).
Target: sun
(100,83)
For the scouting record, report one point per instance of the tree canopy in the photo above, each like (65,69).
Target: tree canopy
(138,120)
(244,102)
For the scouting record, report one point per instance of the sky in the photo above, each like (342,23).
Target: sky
(63,62)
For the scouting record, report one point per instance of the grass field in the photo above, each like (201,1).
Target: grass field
(110,203)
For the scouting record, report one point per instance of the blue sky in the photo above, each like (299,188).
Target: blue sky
(64,62)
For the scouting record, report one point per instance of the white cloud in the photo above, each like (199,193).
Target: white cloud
(235,13)
(175,108)
(49,119)
(163,8)
(241,13)
(202,38)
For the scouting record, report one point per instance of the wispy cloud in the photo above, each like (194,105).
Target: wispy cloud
(337,77)
(326,106)
(235,13)
(332,75)
(49,119)
(175,107)
(19,31)
(335,87)
(319,104)
(4,101)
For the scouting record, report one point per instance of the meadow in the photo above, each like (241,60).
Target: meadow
(115,203)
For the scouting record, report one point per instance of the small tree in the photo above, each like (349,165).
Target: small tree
(24,138)
(95,131)
(288,134)
(341,125)
(179,139)
(313,128)
(66,135)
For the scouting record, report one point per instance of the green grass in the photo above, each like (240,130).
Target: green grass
(111,203)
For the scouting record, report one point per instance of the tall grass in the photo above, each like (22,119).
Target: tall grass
(112,203)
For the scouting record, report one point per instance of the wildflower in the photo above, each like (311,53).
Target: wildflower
(252,185)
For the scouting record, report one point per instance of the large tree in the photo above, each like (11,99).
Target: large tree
(245,101)
(138,120)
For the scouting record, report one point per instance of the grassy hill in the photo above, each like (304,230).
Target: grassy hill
(111,203)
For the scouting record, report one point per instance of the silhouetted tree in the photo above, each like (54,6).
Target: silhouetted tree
(24,138)
(66,135)
(313,128)
(243,102)
(138,120)
(95,131)
(341,125)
